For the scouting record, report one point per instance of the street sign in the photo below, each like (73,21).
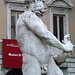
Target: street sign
(12,56)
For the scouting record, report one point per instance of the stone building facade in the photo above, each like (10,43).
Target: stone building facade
(59,13)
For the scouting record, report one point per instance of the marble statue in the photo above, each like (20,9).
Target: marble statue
(35,42)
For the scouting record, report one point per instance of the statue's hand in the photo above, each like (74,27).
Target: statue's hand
(68,45)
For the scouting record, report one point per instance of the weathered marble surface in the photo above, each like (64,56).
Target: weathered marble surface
(35,41)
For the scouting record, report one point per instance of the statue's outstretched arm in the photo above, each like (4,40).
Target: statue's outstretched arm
(37,26)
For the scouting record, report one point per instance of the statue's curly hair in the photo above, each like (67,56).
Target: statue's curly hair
(29,1)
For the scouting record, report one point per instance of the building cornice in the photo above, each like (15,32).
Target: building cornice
(50,3)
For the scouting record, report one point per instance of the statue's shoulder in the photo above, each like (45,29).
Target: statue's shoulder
(29,14)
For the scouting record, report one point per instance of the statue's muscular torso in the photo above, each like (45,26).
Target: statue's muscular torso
(29,42)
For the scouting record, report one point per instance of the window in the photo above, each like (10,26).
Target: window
(14,16)
(58,26)
(14,10)
(59,21)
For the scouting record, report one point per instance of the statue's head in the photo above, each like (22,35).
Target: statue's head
(29,1)
(36,6)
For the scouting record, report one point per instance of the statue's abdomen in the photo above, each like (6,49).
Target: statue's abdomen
(32,44)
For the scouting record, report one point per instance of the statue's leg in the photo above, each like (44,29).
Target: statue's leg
(30,65)
(53,69)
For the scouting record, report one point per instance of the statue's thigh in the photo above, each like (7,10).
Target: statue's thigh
(31,66)
(53,69)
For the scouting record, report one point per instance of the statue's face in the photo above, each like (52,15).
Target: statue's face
(38,8)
